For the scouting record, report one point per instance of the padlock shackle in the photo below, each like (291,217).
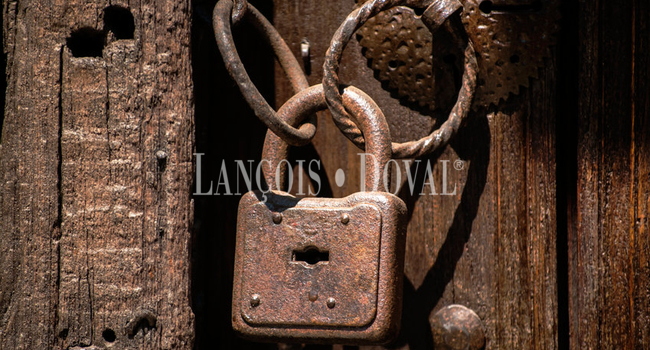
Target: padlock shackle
(366,114)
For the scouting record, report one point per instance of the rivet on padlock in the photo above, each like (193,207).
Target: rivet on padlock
(255,300)
(345,218)
(332,272)
(277,218)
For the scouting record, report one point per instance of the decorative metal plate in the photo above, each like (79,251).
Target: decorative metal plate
(511,39)
(399,48)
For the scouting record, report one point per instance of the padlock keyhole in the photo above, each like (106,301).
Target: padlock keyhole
(310,255)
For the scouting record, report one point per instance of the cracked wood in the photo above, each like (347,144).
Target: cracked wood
(94,226)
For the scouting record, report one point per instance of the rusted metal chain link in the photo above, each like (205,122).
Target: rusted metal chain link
(461,109)
(223,34)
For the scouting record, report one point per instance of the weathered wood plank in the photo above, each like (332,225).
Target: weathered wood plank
(29,160)
(641,195)
(85,195)
(608,270)
(542,192)
(583,241)
(615,178)
(116,98)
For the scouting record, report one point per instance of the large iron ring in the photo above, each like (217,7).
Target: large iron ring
(435,14)
(223,34)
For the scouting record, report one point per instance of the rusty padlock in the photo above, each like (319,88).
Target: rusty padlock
(326,270)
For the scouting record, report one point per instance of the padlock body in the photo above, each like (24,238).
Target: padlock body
(319,269)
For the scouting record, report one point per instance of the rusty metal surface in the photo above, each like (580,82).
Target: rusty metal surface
(437,13)
(239,10)
(456,327)
(399,49)
(223,34)
(441,136)
(354,295)
(331,83)
(352,298)
(326,270)
(411,58)
(294,291)
(366,114)
(511,40)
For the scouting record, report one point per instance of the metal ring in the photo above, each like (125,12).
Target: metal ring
(312,100)
(223,34)
(412,149)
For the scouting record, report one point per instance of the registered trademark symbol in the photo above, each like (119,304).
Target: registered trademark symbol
(459,165)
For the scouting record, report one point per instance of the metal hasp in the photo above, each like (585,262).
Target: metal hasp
(511,39)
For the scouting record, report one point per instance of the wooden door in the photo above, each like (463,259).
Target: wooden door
(545,236)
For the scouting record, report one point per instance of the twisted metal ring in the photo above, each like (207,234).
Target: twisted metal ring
(223,34)
(435,15)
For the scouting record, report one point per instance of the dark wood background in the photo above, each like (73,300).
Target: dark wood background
(608,238)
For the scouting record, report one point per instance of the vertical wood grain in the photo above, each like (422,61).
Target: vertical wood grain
(96,161)
(641,195)
(608,273)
